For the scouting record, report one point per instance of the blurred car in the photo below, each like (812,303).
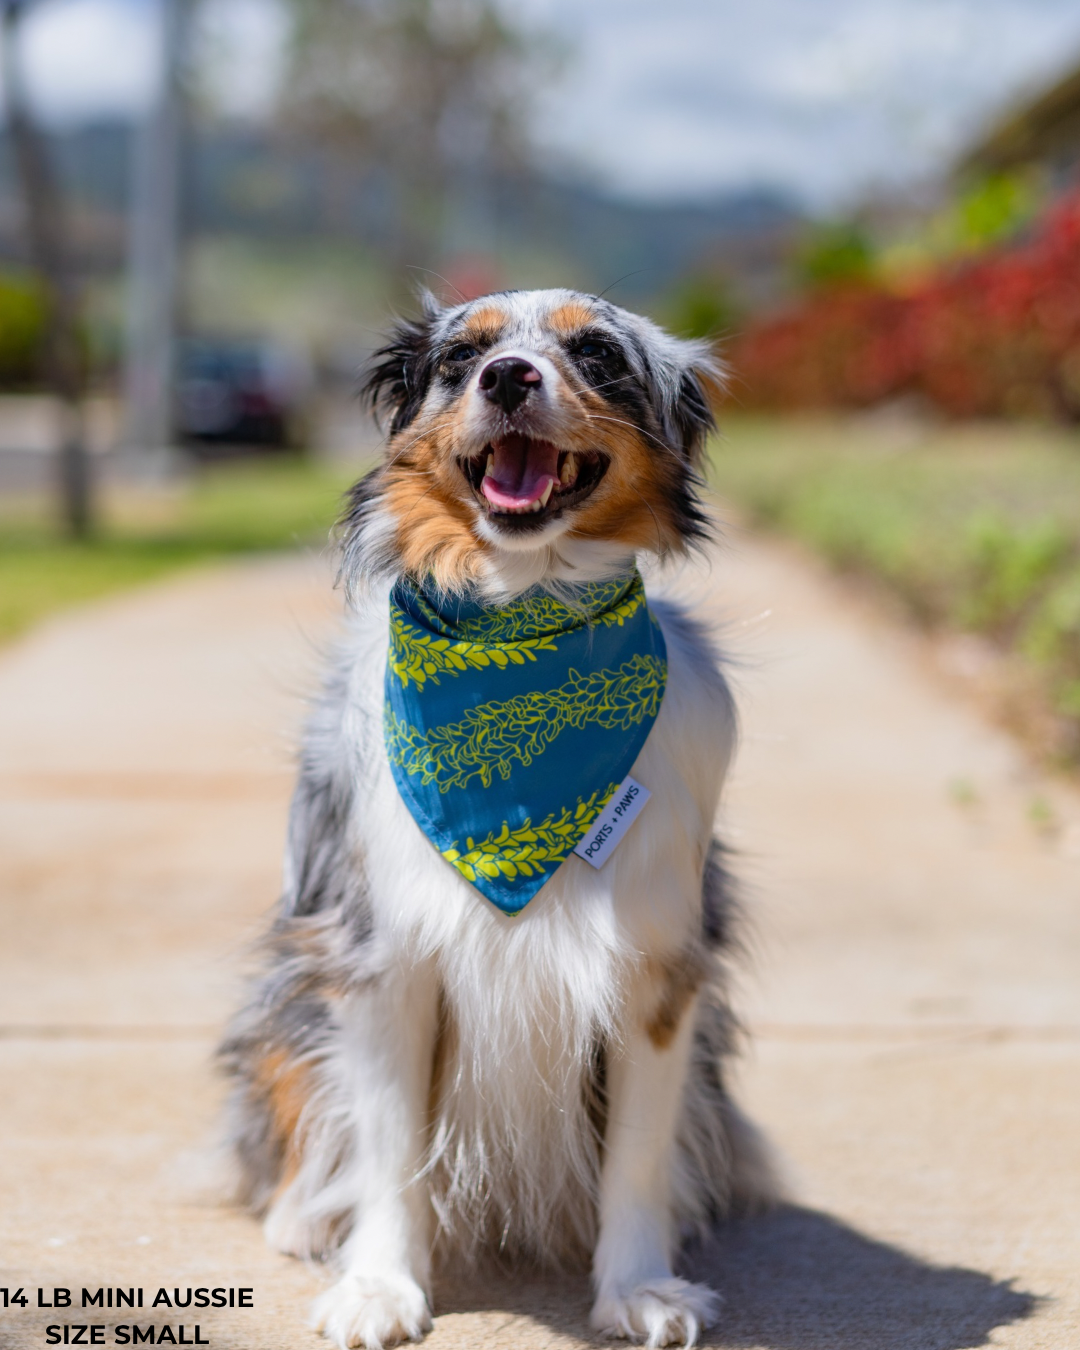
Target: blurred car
(234,392)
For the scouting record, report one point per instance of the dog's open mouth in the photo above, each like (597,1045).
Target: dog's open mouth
(523,482)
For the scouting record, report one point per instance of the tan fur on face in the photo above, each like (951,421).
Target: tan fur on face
(432,505)
(424,492)
(484,327)
(630,506)
(434,508)
(570,319)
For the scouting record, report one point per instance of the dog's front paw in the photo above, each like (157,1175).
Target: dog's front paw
(662,1312)
(372,1312)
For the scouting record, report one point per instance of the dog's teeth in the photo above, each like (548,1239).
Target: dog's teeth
(489,467)
(529,507)
(568,472)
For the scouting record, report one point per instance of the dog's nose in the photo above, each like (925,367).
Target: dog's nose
(507,380)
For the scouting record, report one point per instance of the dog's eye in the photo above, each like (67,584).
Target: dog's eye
(464,351)
(591,350)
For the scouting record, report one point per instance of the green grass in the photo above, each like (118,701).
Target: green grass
(974,528)
(223,511)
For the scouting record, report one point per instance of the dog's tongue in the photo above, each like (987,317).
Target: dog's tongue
(522,470)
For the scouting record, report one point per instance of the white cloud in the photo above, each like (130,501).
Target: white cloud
(88,57)
(824,97)
(241,46)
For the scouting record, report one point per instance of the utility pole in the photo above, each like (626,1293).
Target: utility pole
(43,207)
(154,252)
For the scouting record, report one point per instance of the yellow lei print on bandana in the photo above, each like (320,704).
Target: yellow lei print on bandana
(520,852)
(419,657)
(495,736)
(509,639)
(608,605)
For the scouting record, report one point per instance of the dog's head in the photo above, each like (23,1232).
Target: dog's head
(533,435)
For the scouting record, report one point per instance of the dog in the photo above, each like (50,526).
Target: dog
(420,1073)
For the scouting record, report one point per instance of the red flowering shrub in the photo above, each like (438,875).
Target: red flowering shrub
(997,336)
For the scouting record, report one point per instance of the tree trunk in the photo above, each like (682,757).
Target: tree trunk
(46,237)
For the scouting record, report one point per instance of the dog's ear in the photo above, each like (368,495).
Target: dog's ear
(684,380)
(692,385)
(396,378)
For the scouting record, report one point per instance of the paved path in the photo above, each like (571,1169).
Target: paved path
(915,996)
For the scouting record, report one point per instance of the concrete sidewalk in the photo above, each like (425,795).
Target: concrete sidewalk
(915,996)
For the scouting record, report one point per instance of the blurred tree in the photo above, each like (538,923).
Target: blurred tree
(979,213)
(24,322)
(994,208)
(834,254)
(156,248)
(701,306)
(43,208)
(432,93)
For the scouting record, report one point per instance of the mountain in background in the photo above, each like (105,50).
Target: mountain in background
(524,230)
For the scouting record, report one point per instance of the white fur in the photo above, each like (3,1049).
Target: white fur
(529,997)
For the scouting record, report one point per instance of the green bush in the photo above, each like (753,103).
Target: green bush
(970,528)
(701,306)
(22,330)
(992,210)
(1051,639)
(1008,564)
(840,252)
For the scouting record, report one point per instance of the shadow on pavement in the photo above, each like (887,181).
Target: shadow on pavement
(792,1280)
(559,1302)
(800,1280)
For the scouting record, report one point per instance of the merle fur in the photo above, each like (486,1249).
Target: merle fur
(399,374)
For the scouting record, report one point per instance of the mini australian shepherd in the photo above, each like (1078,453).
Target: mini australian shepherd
(416,1074)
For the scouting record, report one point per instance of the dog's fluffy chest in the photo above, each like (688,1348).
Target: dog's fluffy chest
(627,908)
(526,1001)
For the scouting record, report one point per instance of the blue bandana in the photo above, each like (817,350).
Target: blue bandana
(508,729)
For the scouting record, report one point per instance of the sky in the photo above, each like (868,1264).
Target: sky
(825,99)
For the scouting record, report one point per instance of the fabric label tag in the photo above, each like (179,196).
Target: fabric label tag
(612,823)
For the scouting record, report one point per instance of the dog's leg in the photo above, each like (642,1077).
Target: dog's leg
(637,1295)
(387,1047)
